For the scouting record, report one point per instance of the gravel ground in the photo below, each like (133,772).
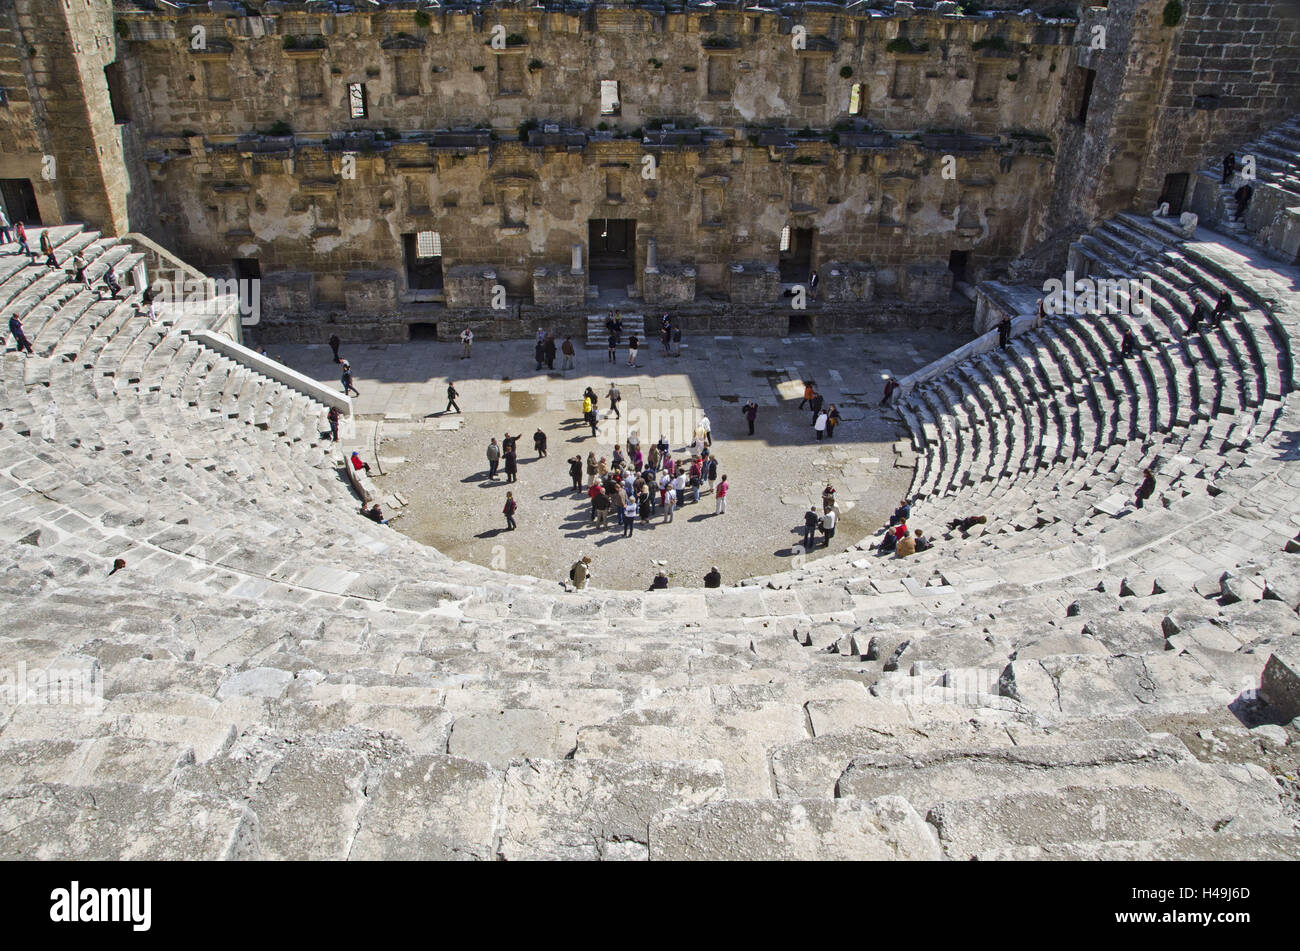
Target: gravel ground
(774,476)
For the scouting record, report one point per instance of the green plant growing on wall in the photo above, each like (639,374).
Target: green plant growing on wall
(655,63)
(528,125)
(479,69)
(535,64)
(846,72)
(968,7)
(1173,13)
(716,43)
(422,19)
(122,29)
(1013,76)
(901,44)
(279,128)
(995,43)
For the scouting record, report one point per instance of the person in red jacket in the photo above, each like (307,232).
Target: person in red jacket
(358,464)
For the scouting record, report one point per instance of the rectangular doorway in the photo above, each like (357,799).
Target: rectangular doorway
(957,261)
(611,254)
(796,255)
(20,200)
(422,255)
(1175,191)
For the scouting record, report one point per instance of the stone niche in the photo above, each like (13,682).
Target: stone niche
(753,282)
(846,281)
(669,285)
(468,286)
(557,286)
(370,292)
(926,284)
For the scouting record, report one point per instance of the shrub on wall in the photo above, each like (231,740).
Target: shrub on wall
(1173,14)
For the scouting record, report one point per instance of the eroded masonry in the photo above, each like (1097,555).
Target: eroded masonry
(384,167)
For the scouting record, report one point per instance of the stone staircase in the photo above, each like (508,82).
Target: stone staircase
(598,336)
(274,676)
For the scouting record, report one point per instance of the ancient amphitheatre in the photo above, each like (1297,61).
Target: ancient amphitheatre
(271,675)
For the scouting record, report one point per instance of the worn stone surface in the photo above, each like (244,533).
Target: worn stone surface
(794,830)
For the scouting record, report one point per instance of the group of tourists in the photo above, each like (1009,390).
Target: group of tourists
(632,486)
(824,418)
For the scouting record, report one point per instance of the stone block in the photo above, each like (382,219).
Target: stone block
(926,283)
(1280,683)
(669,285)
(558,286)
(753,283)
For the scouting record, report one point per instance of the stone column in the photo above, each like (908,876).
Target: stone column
(651,256)
(576,266)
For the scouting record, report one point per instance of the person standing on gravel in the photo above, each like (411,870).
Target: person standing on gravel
(451,396)
(539,443)
(512,464)
(809,528)
(333,417)
(493,458)
(720,496)
(575,472)
(509,511)
(614,396)
(592,468)
(580,572)
(751,414)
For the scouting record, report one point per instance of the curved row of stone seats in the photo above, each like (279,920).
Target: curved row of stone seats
(316,686)
(380,724)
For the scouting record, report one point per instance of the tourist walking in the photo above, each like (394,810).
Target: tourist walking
(1229,166)
(566,348)
(750,410)
(20,233)
(539,443)
(720,497)
(832,420)
(817,402)
(466,343)
(614,396)
(493,458)
(347,380)
(21,342)
(47,249)
(451,397)
(333,417)
(508,510)
(548,350)
(334,345)
(613,348)
(890,386)
(819,427)
(807,394)
(631,351)
(511,463)
(706,429)
(5,236)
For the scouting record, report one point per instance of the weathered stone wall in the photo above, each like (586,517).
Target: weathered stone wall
(980,74)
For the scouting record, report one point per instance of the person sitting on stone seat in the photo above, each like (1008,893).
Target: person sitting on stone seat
(922,542)
(902,513)
(358,464)
(714,578)
(660,582)
(1222,308)
(906,546)
(888,541)
(374,513)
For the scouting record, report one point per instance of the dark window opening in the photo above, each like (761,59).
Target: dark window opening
(799,324)
(796,256)
(248,269)
(424,331)
(1175,192)
(423,270)
(20,200)
(1085,94)
(117,97)
(957,262)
